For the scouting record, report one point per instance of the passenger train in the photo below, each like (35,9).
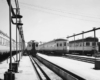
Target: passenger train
(57,46)
(5,45)
(31,48)
(86,46)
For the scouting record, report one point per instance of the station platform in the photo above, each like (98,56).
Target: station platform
(82,69)
(4,66)
(26,70)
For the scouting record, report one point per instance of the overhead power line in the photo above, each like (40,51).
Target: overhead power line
(31,5)
(61,13)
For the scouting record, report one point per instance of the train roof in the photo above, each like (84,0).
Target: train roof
(4,34)
(1,32)
(32,41)
(53,41)
(85,39)
(57,40)
(60,40)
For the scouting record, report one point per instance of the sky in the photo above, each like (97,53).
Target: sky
(45,20)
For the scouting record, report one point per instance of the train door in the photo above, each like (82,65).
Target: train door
(33,51)
(64,46)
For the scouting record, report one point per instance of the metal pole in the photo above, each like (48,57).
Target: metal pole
(10,66)
(19,31)
(16,35)
(74,43)
(19,46)
(94,40)
(17,7)
(18,42)
(68,44)
(84,32)
(83,40)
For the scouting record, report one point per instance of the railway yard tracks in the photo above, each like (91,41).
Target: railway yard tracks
(81,58)
(47,70)
(42,71)
(63,73)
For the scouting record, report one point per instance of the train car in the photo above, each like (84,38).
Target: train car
(5,45)
(99,46)
(55,47)
(85,46)
(31,48)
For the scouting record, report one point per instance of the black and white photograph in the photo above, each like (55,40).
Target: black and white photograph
(49,39)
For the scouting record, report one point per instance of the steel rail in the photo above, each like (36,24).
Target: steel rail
(35,68)
(80,58)
(59,70)
(42,70)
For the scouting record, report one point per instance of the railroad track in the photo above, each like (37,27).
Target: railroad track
(81,58)
(63,73)
(43,72)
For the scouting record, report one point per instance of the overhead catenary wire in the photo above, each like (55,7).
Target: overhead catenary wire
(59,13)
(78,14)
(31,5)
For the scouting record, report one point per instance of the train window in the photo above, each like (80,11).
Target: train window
(93,43)
(87,43)
(36,45)
(64,43)
(60,44)
(57,45)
